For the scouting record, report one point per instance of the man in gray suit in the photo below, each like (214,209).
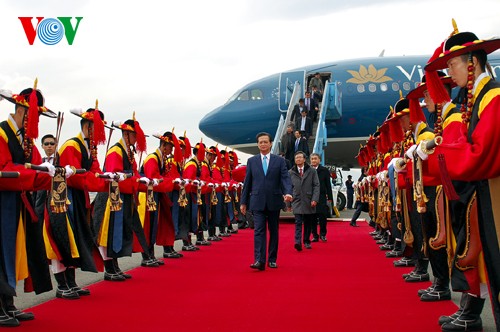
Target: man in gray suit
(305,184)
(267,184)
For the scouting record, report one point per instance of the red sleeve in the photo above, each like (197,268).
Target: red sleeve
(114,163)
(481,159)
(152,171)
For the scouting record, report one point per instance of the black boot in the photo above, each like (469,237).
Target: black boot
(6,320)
(63,291)
(147,261)
(119,271)
(448,319)
(169,252)
(420,273)
(200,239)
(110,274)
(223,232)
(470,318)
(439,291)
(71,281)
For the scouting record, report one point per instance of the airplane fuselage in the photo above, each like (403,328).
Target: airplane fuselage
(367,87)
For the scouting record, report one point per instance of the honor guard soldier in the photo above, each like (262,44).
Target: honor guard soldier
(473,156)
(21,235)
(179,199)
(154,209)
(116,219)
(68,235)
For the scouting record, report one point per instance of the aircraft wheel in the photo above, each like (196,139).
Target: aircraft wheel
(341,201)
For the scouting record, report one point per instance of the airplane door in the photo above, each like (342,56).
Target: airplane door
(287,81)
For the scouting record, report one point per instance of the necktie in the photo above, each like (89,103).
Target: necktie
(307,103)
(264,164)
(297,144)
(301,172)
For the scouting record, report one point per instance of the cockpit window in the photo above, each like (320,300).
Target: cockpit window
(243,95)
(254,94)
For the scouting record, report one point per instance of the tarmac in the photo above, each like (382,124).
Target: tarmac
(27,300)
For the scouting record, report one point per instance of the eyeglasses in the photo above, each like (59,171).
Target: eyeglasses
(49,143)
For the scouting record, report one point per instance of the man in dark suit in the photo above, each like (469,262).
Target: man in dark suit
(311,106)
(304,123)
(297,110)
(287,144)
(267,184)
(325,195)
(300,143)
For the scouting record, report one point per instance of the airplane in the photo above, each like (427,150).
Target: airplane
(360,93)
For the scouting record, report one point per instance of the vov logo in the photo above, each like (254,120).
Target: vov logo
(50,31)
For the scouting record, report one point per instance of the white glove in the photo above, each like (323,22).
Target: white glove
(155,182)
(195,182)
(178,181)
(409,152)
(397,169)
(203,183)
(240,184)
(421,152)
(224,184)
(211,185)
(69,171)
(121,176)
(145,180)
(235,185)
(217,185)
(51,170)
(384,175)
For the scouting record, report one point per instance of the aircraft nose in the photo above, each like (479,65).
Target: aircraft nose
(209,125)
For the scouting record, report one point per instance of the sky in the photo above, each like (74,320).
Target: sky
(172,62)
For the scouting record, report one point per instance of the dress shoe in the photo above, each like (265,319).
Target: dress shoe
(224,234)
(203,243)
(353,224)
(233,231)
(20,315)
(417,277)
(315,239)
(67,294)
(258,266)
(173,254)
(81,291)
(298,246)
(307,245)
(272,265)
(436,295)
(381,241)
(113,277)
(211,238)
(322,238)
(8,321)
(374,233)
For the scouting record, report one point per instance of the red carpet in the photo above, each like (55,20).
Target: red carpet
(345,284)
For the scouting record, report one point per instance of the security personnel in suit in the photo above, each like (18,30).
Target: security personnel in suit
(325,195)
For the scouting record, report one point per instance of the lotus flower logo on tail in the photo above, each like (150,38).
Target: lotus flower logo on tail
(368,75)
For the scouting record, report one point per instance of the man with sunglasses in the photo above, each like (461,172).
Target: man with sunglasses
(49,146)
